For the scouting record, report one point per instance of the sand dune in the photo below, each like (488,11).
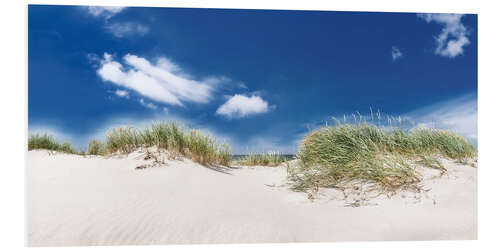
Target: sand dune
(76,200)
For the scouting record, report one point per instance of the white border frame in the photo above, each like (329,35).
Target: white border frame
(14,111)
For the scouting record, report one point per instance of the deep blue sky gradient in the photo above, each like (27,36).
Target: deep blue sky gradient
(309,64)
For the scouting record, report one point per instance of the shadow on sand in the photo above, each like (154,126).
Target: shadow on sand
(220,169)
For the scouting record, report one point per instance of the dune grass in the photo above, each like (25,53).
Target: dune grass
(336,155)
(177,140)
(200,148)
(270,159)
(96,148)
(328,157)
(45,141)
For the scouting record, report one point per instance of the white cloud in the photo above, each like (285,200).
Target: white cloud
(126,29)
(162,82)
(121,93)
(168,65)
(240,106)
(118,29)
(453,36)
(104,11)
(396,53)
(147,104)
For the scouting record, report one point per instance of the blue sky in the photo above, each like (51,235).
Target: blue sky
(258,79)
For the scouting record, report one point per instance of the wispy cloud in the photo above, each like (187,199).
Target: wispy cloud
(117,29)
(453,36)
(458,115)
(396,53)
(104,11)
(121,30)
(163,81)
(121,93)
(148,105)
(239,106)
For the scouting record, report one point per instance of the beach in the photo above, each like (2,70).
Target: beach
(75,200)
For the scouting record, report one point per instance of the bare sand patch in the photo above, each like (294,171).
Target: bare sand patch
(94,200)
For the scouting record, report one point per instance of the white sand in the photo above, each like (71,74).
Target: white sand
(73,200)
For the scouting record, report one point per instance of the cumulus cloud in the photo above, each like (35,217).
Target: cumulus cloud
(453,36)
(239,106)
(104,11)
(396,53)
(121,30)
(162,81)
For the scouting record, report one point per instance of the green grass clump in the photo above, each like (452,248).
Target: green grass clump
(336,155)
(45,141)
(269,159)
(123,139)
(96,148)
(178,141)
(200,148)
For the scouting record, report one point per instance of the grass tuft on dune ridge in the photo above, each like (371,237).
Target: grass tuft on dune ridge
(45,141)
(96,148)
(178,141)
(334,156)
(200,148)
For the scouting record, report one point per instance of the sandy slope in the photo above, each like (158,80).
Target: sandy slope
(73,200)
